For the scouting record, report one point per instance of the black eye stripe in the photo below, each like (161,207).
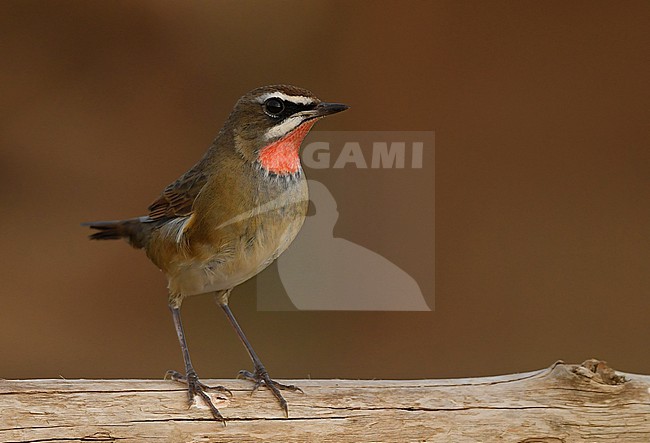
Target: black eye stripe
(291,108)
(277,108)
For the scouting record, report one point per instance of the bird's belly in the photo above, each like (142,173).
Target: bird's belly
(230,265)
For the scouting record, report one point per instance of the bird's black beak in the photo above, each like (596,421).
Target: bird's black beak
(323,109)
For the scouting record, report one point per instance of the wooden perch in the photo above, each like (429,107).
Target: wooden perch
(565,403)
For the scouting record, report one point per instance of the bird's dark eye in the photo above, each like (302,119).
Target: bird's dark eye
(274,107)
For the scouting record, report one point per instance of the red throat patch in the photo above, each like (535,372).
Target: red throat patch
(281,157)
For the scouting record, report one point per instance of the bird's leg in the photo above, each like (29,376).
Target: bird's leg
(194,385)
(259,376)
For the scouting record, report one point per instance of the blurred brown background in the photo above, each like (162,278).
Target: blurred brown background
(542,179)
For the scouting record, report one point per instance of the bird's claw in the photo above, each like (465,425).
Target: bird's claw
(197,388)
(261,378)
(177,376)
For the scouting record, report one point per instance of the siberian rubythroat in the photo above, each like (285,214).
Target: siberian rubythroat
(231,214)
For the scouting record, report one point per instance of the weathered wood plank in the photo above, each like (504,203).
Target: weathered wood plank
(565,403)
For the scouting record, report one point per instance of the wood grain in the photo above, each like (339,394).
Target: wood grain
(564,403)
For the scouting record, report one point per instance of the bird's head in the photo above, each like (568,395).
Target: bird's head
(268,125)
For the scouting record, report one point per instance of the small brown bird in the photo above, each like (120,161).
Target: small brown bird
(231,214)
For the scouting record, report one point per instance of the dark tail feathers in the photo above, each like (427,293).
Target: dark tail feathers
(134,230)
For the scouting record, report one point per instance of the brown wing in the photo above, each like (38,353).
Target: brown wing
(177,198)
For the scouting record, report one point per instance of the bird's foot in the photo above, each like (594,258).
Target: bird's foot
(261,378)
(196,388)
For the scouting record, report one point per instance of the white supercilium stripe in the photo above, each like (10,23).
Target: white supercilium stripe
(284,128)
(300,99)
